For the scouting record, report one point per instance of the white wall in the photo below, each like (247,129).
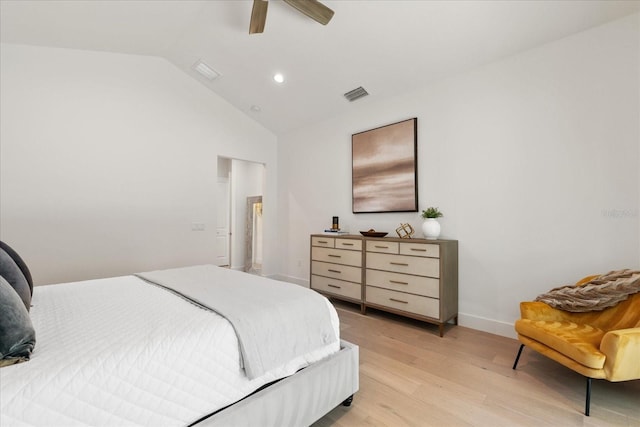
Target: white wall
(107,159)
(533,159)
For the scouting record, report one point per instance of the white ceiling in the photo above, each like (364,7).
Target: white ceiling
(389,47)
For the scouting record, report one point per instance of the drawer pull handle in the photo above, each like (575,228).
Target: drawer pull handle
(418,250)
(334,286)
(398,283)
(381,247)
(335,256)
(397,300)
(322,241)
(335,271)
(399,263)
(347,244)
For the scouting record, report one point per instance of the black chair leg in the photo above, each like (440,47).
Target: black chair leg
(588,402)
(518,356)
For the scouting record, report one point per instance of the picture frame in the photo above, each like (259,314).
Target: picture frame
(384,168)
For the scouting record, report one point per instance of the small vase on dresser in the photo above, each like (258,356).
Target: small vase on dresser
(431,228)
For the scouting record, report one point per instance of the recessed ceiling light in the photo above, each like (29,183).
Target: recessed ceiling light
(278,77)
(205,70)
(255,108)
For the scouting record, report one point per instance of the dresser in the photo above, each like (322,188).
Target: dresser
(415,278)
(337,267)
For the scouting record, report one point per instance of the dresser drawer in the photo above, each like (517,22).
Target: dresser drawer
(338,287)
(327,242)
(404,264)
(423,306)
(351,244)
(339,256)
(420,249)
(342,272)
(419,285)
(382,246)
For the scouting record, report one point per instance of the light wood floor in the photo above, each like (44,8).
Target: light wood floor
(409,376)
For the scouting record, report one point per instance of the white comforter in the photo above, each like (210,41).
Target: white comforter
(274,321)
(120,351)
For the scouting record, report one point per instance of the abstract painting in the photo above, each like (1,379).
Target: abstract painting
(384,176)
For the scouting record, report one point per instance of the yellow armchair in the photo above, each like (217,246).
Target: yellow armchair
(598,344)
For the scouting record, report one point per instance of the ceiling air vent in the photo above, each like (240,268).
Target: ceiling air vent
(205,70)
(357,93)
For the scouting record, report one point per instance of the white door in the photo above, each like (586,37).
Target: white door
(222,228)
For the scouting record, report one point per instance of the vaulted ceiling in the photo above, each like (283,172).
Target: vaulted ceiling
(388,47)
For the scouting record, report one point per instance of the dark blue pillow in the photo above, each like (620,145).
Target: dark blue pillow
(19,262)
(17,336)
(11,272)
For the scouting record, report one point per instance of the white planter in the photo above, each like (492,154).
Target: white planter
(431,228)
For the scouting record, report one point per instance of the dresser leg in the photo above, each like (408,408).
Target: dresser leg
(363,309)
(441,328)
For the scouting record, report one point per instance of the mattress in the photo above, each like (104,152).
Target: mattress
(120,351)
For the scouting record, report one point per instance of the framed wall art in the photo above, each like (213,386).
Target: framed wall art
(384,168)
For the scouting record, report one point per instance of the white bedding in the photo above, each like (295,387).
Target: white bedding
(120,351)
(274,321)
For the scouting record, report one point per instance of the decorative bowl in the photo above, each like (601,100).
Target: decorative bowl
(373,233)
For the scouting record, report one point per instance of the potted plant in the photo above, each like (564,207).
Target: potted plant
(431,226)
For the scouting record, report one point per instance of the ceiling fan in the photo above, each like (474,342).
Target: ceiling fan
(312,8)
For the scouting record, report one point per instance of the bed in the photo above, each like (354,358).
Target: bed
(131,350)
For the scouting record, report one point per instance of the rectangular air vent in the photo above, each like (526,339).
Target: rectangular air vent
(357,93)
(205,70)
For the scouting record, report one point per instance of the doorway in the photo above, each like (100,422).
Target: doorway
(243,180)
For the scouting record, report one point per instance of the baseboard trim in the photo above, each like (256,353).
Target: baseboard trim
(290,279)
(492,326)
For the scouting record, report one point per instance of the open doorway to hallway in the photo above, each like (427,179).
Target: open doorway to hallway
(239,234)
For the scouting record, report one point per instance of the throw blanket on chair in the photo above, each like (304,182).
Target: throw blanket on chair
(597,294)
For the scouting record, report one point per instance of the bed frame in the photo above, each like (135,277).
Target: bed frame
(298,400)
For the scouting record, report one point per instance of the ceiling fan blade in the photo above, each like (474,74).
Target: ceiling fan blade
(258,16)
(313,9)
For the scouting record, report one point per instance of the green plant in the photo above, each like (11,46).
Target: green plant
(432,212)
